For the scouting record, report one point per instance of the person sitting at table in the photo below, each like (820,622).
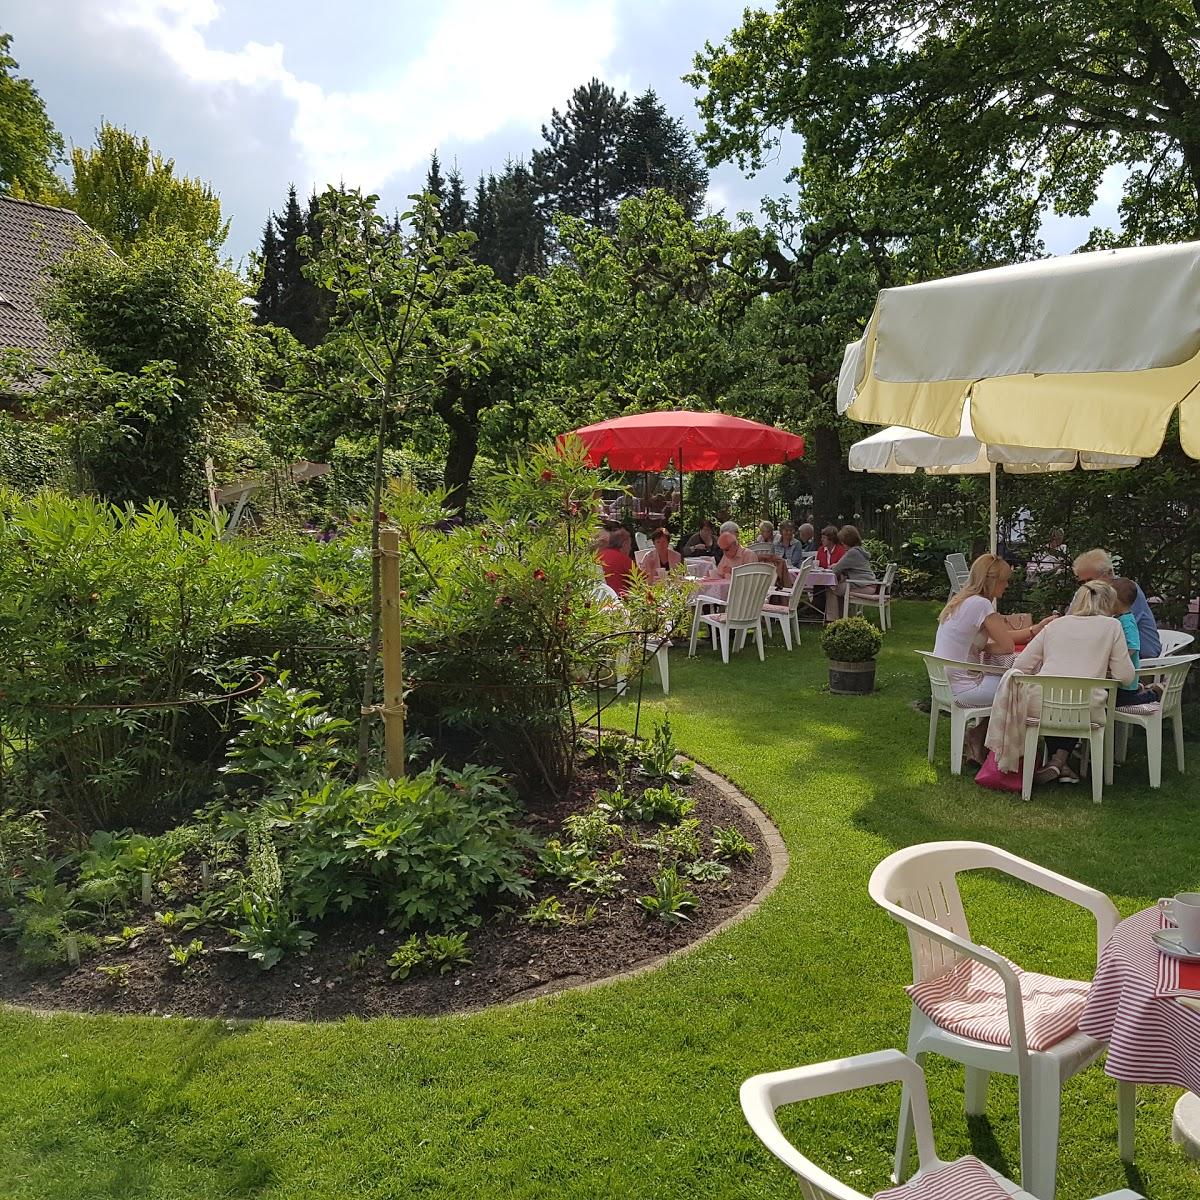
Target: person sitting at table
(766,539)
(657,562)
(1133,693)
(733,553)
(612,553)
(1098,564)
(806,535)
(702,543)
(852,568)
(1088,643)
(789,549)
(970,627)
(830,549)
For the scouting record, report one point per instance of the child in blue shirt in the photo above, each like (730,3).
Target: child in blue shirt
(1126,591)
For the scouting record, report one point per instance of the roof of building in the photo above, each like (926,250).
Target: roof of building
(33,237)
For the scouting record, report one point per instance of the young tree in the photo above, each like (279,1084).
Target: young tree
(125,191)
(161,349)
(387,289)
(577,169)
(30,146)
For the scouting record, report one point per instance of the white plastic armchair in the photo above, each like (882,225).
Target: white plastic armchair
(874,595)
(699,566)
(957,570)
(918,887)
(941,700)
(762,1095)
(1170,674)
(741,610)
(1066,710)
(1172,641)
(783,607)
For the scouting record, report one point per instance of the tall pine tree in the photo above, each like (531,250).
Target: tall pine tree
(457,210)
(577,169)
(483,220)
(658,151)
(518,246)
(266,298)
(286,296)
(434,183)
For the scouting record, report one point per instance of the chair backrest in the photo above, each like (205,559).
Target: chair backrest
(604,595)
(1173,641)
(959,563)
(1172,674)
(798,587)
(698,566)
(956,580)
(889,576)
(1067,702)
(748,590)
(761,1095)
(939,682)
(643,542)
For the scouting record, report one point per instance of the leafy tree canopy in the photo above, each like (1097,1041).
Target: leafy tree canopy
(996,112)
(29,144)
(126,191)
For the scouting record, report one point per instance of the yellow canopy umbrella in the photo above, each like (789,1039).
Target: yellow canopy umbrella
(1091,352)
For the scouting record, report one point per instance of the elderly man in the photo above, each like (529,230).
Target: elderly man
(807,536)
(1098,564)
(789,549)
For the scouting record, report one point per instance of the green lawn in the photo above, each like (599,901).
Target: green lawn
(631,1089)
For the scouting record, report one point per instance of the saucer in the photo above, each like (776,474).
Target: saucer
(1167,940)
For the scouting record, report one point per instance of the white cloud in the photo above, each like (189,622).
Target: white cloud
(483,66)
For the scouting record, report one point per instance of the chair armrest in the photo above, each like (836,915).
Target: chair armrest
(1012,989)
(1089,898)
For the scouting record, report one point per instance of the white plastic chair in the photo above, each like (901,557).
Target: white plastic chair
(788,613)
(918,887)
(1066,711)
(941,700)
(698,567)
(741,610)
(1171,675)
(605,597)
(874,595)
(957,570)
(1172,641)
(762,1095)
(643,542)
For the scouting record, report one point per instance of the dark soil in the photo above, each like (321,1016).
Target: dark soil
(346,973)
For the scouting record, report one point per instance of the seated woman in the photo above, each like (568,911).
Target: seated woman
(702,543)
(853,567)
(969,627)
(1088,643)
(657,562)
(830,549)
(612,553)
(766,539)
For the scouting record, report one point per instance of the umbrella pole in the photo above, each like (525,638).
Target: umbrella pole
(992,505)
(683,527)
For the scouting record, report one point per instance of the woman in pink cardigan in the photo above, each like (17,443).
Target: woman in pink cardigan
(1088,643)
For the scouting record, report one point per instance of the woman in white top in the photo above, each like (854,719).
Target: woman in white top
(968,627)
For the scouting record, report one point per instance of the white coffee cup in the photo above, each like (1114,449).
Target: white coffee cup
(1184,910)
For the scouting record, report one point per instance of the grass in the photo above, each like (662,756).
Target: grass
(630,1090)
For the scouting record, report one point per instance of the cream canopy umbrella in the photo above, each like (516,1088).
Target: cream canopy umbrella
(1092,352)
(900,451)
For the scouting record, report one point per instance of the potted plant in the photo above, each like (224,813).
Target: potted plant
(851,645)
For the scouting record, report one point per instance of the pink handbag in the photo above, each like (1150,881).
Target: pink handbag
(990,776)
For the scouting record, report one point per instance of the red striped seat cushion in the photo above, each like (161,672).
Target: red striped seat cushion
(966,1179)
(781,609)
(969,1000)
(1140,710)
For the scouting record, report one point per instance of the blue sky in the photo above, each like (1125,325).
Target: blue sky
(252,95)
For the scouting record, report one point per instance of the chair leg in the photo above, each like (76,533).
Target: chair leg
(958,737)
(1177,722)
(1154,751)
(934,712)
(906,1127)
(1126,1114)
(1096,744)
(664,670)
(786,627)
(695,631)
(724,628)
(976,1091)
(1031,746)
(1040,1102)
(1122,746)
(758,641)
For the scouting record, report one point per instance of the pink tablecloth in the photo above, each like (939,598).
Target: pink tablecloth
(1151,1038)
(719,588)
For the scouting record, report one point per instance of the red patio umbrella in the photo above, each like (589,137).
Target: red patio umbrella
(694,441)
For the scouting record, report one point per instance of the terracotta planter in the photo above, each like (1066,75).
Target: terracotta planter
(852,678)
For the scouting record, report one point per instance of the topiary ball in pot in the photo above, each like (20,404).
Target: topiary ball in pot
(851,645)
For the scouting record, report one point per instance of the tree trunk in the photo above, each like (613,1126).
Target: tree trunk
(460,460)
(828,475)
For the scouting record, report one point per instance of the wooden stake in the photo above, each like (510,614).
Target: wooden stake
(393,657)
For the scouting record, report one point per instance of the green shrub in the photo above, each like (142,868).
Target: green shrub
(878,551)
(428,850)
(851,639)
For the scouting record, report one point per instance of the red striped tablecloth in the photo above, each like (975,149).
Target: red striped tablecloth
(1151,1037)
(966,1179)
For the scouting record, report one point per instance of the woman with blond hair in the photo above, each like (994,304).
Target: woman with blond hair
(968,627)
(1088,643)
